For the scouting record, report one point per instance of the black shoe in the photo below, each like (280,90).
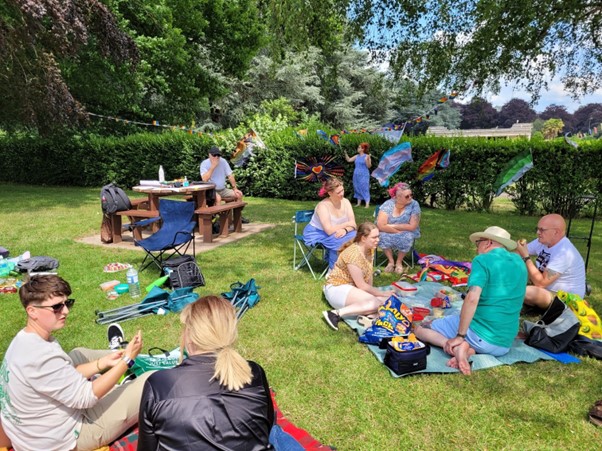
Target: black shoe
(116,337)
(244,220)
(332,319)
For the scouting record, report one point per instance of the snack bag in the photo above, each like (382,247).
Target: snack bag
(394,318)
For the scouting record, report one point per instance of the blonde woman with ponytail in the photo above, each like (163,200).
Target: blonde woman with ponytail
(215,399)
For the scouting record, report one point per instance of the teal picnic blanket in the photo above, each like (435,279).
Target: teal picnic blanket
(437,359)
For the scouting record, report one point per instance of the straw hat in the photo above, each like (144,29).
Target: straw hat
(496,234)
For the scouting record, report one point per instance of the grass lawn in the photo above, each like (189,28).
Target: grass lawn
(326,382)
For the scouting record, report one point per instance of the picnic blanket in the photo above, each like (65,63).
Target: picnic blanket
(437,360)
(301,439)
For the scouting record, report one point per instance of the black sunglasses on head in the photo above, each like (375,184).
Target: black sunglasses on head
(58,308)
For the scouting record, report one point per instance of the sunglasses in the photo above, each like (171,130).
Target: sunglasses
(58,308)
(479,241)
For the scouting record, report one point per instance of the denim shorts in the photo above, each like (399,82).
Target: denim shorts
(448,327)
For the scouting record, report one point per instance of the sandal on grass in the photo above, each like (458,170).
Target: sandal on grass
(390,267)
(365,321)
(595,413)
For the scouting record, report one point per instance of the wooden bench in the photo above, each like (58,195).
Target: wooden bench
(136,214)
(230,212)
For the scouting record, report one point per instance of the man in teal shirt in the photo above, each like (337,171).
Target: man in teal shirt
(489,319)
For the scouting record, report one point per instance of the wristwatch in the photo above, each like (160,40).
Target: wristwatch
(526,258)
(129,362)
(460,335)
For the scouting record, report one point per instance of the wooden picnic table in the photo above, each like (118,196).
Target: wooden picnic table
(229,213)
(197,191)
(150,208)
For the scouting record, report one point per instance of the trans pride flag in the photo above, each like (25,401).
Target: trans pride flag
(391,161)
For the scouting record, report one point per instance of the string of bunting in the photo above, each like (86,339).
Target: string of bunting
(154,123)
(417,119)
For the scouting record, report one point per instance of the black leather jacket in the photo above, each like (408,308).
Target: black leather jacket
(182,410)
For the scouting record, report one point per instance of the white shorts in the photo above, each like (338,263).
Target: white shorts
(337,295)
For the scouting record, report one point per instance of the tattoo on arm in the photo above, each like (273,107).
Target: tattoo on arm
(550,274)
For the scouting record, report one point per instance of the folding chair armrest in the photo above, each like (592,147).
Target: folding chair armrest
(144,222)
(183,232)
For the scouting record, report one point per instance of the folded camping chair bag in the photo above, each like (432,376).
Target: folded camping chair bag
(403,362)
(36,264)
(555,330)
(183,272)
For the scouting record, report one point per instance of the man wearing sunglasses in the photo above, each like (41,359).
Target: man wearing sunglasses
(558,265)
(489,318)
(47,399)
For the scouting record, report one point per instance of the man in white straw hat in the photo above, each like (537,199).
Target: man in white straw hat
(489,319)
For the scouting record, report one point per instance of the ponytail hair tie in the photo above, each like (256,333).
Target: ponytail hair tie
(322,192)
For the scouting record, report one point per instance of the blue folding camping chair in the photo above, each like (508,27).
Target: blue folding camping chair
(308,254)
(174,236)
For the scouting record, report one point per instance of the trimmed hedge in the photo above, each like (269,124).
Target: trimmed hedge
(560,175)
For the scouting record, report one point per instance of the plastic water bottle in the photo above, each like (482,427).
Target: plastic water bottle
(186,182)
(161,174)
(133,283)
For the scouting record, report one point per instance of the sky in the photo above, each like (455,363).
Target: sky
(555,94)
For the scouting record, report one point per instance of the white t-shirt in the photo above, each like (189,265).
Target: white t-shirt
(563,258)
(221,171)
(42,395)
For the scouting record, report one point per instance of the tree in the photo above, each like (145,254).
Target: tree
(36,39)
(479,113)
(558,112)
(516,110)
(551,128)
(191,51)
(477,44)
(587,117)
(409,104)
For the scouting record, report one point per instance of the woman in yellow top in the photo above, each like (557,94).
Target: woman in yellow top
(349,286)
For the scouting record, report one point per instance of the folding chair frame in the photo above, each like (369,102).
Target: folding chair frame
(158,259)
(306,252)
(178,226)
(383,261)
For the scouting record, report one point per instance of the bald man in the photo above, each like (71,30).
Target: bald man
(558,264)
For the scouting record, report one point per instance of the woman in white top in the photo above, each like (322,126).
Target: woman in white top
(333,222)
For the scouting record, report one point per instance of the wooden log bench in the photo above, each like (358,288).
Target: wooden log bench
(134,216)
(229,213)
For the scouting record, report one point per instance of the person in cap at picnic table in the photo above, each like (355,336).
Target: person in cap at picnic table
(47,398)
(558,265)
(489,319)
(348,288)
(216,169)
(333,222)
(399,223)
(215,399)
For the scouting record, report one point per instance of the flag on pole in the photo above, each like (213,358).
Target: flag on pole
(513,171)
(391,161)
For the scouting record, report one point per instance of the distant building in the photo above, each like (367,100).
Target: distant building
(516,131)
